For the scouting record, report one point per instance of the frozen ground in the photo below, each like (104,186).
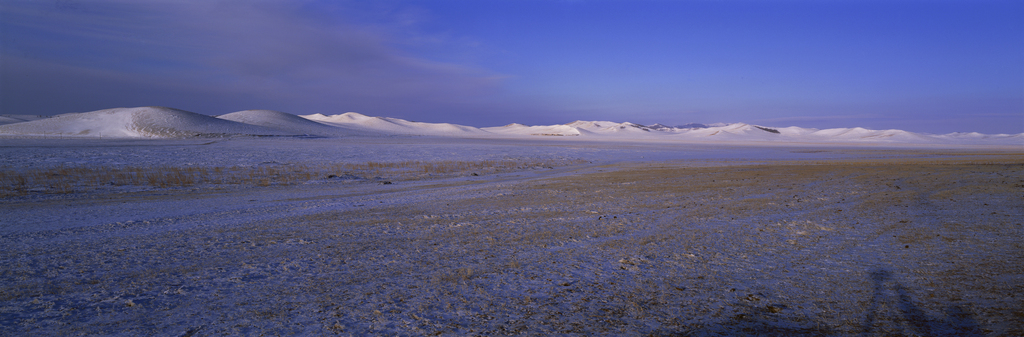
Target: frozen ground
(571,238)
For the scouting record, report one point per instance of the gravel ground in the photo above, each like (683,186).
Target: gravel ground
(831,247)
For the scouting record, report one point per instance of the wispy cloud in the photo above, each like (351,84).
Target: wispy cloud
(301,56)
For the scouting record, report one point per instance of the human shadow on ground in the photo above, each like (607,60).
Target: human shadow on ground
(892,311)
(889,291)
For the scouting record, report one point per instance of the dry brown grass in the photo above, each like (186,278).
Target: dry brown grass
(68,179)
(657,249)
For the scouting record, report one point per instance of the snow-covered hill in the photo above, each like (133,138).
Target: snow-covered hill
(291,123)
(540,130)
(749,132)
(610,127)
(396,126)
(160,122)
(144,122)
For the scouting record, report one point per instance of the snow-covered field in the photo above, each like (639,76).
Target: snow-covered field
(181,228)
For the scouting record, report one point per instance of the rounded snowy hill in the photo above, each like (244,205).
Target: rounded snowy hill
(577,128)
(974,137)
(517,129)
(162,122)
(742,132)
(395,126)
(290,123)
(611,128)
(862,134)
(144,122)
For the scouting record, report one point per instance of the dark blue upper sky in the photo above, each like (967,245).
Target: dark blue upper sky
(924,66)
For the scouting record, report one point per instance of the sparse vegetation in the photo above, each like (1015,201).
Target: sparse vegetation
(796,248)
(68,179)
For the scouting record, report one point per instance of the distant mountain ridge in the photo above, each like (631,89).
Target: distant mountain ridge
(162,122)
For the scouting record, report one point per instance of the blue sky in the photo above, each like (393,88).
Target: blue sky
(923,66)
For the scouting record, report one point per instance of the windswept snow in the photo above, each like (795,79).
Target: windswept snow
(145,122)
(577,128)
(745,133)
(742,132)
(968,136)
(159,122)
(610,127)
(541,130)
(290,123)
(395,126)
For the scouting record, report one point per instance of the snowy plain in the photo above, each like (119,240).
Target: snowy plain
(355,225)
